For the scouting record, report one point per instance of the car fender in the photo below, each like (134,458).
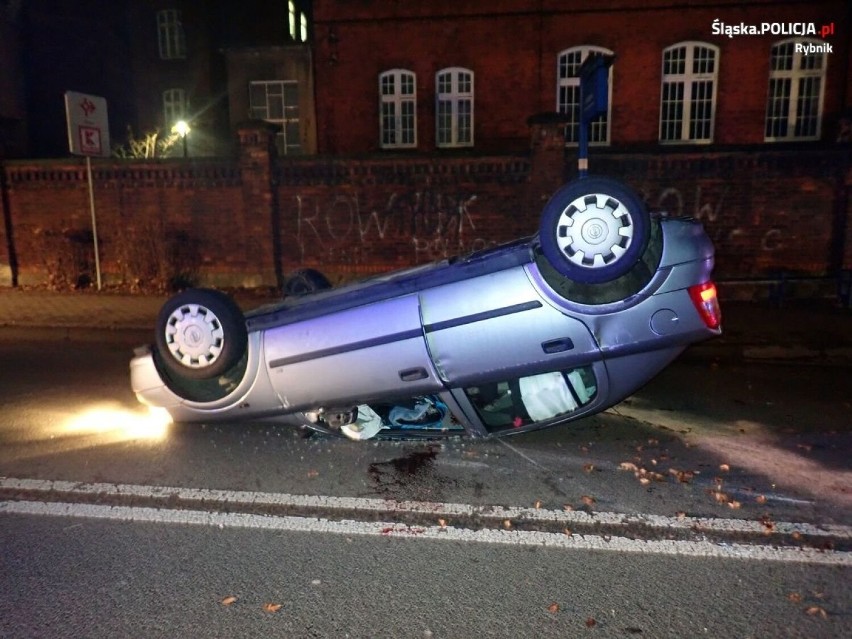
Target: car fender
(253,394)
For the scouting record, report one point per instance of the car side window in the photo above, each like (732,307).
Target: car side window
(521,401)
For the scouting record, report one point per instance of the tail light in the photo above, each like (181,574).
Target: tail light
(707,303)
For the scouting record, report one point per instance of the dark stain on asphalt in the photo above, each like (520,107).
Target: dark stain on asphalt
(410,473)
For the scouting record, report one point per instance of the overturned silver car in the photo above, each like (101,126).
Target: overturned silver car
(510,339)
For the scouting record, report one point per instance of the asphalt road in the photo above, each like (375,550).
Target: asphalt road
(84,578)
(729,456)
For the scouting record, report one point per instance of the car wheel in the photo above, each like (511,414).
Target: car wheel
(594,229)
(201,334)
(304,281)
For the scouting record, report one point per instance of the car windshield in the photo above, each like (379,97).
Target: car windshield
(522,401)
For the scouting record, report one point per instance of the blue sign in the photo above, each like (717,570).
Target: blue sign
(594,101)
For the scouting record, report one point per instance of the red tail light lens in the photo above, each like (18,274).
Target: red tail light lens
(706,301)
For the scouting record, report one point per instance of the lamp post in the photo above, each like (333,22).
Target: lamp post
(182,129)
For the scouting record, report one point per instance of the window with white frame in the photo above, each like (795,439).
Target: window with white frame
(568,95)
(454,107)
(397,109)
(688,97)
(298,22)
(170,35)
(277,102)
(293,17)
(174,106)
(796,87)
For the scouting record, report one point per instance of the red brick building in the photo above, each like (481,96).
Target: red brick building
(441,75)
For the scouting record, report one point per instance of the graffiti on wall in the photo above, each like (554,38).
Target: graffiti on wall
(354,229)
(709,206)
(349,228)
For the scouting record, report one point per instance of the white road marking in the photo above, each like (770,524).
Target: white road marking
(448,533)
(55,490)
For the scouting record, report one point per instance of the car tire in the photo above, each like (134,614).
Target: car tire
(201,334)
(594,230)
(305,281)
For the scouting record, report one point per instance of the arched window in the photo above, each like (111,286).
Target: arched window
(568,94)
(397,109)
(688,94)
(454,107)
(796,87)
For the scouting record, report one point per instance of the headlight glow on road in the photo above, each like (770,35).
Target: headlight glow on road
(119,424)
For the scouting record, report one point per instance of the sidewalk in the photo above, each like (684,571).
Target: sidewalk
(813,331)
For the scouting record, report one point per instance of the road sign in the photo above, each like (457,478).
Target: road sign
(594,96)
(88,125)
(594,85)
(88,134)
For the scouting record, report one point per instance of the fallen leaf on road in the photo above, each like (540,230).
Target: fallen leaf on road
(590,622)
(313,473)
(588,467)
(816,611)
(628,466)
(271,607)
(734,504)
(761,499)
(589,501)
(719,496)
(683,476)
(227,601)
(795,597)
(724,468)
(553,608)
(537,504)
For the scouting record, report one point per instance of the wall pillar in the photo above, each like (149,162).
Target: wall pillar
(8,256)
(257,226)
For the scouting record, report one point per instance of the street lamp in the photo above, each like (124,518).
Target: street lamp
(182,129)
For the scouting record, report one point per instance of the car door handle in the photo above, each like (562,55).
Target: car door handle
(413,374)
(557,345)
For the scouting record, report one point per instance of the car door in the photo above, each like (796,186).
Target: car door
(496,325)
(358,354)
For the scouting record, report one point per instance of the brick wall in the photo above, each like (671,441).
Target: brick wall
(251,220)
